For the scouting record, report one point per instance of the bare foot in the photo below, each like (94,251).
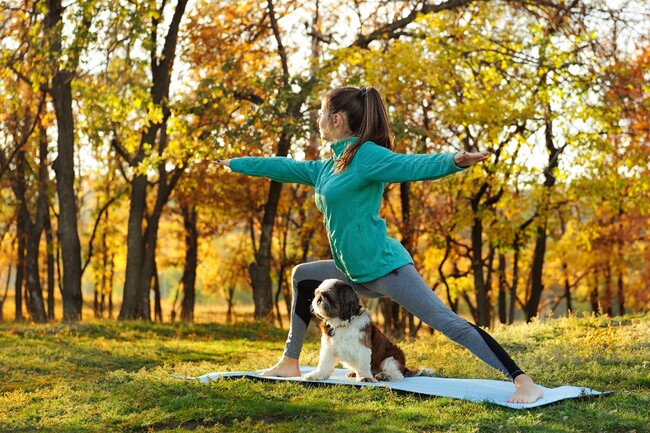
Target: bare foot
(527,391)
(286,367)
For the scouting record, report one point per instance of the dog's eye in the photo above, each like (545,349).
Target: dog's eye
(318,301)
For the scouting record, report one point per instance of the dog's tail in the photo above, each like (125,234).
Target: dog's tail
(419,372)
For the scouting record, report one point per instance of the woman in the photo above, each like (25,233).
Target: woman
(349,188)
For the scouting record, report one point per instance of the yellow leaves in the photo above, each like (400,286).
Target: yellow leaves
(38,80)
(458,286)
(154,114)
(131,142)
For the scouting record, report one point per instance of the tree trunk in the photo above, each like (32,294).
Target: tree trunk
(409,243)
(61,92)
(515,282)
(537,286)
(620,295)
(97,296)
(157,298)
(4,296)
(36,305)
(30,231)
(565,273)
(111,275)
(104,287)
(142,248)
(481,289)
(230,300)
(453,303)
(392,322)
(593,294)
(49,241)
(149,272)
(20,269)
(190,218)
(607,292)
(503,314)
(276,298)
(537,271)
(65,176)
(260,270)
(567,288)
(134,245)
(35,231)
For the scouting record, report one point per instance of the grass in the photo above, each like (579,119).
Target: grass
(111,376)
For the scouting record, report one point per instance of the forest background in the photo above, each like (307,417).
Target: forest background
(112,113)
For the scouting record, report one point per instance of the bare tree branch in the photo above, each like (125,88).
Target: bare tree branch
(281,50)
(5,161)
(92,237)
(390,31)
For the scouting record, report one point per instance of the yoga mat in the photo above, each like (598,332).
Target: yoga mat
(476,390)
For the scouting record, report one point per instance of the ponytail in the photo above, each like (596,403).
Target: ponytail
(366,115)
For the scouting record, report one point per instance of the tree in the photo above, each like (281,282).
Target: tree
(287,103)
(464,100)
(26,126)
(141,245)
(64,62)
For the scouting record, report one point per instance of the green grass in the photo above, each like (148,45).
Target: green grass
(117,377)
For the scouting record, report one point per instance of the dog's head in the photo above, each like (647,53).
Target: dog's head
(334,299)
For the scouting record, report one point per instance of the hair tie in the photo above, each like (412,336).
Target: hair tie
(363,91)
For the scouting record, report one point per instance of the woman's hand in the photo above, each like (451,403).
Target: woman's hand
(222,162)
(467,159)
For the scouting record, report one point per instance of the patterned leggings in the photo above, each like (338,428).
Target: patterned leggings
(406,287)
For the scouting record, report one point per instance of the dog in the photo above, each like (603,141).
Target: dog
(349,335)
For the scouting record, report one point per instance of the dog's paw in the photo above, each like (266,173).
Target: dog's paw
(385,377)
(351,374)
(315,375)
(366,379)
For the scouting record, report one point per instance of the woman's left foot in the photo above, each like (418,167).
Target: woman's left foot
(527,392)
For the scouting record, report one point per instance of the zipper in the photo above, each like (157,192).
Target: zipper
(363,241)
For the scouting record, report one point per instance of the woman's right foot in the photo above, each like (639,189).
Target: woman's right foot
(527,392)
(286,367)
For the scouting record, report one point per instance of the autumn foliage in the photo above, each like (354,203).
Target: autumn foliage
(111,114)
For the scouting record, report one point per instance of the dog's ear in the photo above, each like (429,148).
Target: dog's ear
(348,300)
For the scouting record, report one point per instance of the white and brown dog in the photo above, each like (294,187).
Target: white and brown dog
(349,335)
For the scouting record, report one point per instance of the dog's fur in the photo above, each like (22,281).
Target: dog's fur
(349,335)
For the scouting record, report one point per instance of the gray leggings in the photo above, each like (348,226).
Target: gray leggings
(406,287)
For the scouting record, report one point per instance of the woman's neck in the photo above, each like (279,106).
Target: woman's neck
(339,146)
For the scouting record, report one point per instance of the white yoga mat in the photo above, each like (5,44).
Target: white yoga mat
(476,390)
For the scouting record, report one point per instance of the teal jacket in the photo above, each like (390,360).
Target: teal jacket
(350,201)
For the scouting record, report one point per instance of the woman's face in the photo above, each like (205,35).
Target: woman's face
(325,123)
(332,126)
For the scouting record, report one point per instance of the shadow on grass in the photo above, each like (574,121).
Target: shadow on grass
(32,356)
(131,330)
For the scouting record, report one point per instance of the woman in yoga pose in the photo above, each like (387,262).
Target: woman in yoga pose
(349,187)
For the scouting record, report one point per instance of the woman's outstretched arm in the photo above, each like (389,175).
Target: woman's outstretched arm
(280,169)
(377,163)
